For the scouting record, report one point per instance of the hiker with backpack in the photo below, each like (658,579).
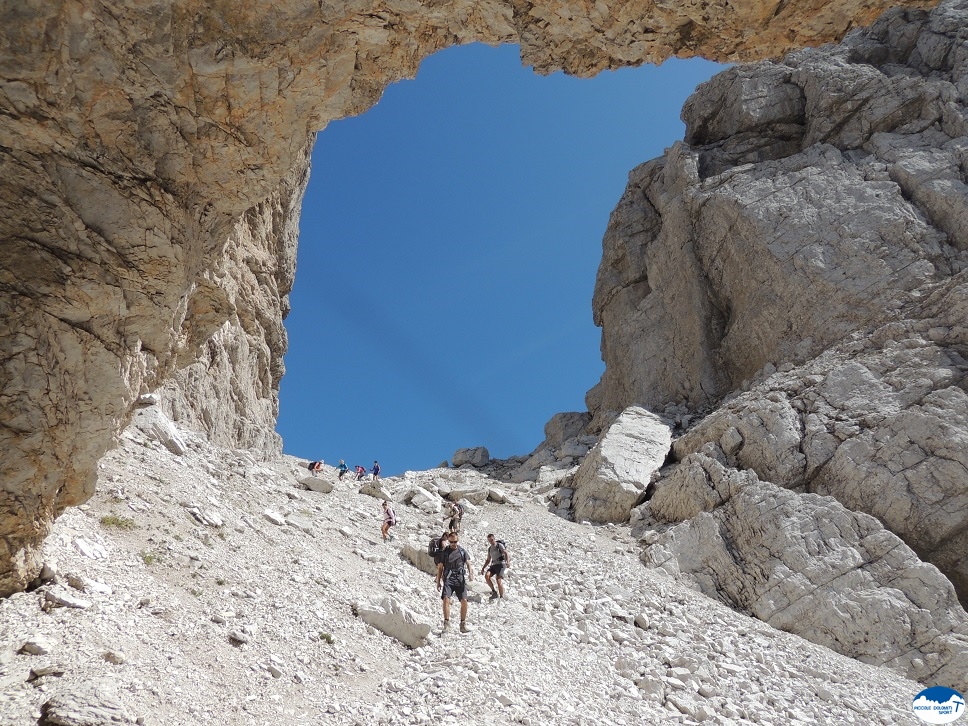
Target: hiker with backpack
(342,468)
(451,579)
(315,467)
(389,520)
(456,515)
(360,472)
(499,560)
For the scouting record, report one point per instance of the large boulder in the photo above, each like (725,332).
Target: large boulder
(613,477)
(396,620)
(805,564)
(415,552)
(476,457)
(564,426)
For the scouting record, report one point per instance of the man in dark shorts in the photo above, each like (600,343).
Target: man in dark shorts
(499,560)
(451,569)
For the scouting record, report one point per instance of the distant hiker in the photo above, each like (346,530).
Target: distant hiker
(389,520)
(456,514)
(342,469)
(451,579)
(315,467)
(499,560)
(360,472)
(375,470)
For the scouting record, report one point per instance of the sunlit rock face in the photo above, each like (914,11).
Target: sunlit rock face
(796,273)
(136,135)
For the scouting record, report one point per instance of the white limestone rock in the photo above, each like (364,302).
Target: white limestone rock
(317,484)
(613,477)
(396,620)
(426,501)
(156,425)
(375,489)
(415,552)
(806,565)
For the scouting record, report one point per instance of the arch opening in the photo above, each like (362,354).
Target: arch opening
(448,248)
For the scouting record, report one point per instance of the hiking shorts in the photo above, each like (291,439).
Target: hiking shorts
(497,569)
(457,588)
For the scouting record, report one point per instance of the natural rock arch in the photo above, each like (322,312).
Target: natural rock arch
(142,141)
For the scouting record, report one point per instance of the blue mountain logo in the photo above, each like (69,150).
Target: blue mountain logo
(938,705)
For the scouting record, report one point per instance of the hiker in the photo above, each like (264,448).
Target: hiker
(315,467)
(360,472)
(499,560)
(376,470)
(456,514)
(389,520)
(342,469)
(451,579)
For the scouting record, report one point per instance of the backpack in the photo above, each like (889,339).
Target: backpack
(312,465)
(459,509)
(435,546)
(504,549)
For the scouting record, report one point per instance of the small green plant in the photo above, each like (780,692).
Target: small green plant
(113,520)
(178,537)
(220,534)
(196,592)
(219,580)
(149,558)
(326,637)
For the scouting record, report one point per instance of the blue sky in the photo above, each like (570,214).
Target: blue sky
(448,247)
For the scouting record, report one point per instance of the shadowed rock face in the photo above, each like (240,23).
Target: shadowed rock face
(137,134)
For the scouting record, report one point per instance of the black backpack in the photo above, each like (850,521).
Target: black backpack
(504,548)
(434,548)
(312,465)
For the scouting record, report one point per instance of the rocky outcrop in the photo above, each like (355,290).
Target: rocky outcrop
(231,390)
(805,245)
(614,476)
(124,181)
(477,457)
(880,423)
(807,565)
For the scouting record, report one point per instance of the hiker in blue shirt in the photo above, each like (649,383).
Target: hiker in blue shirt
(342,469)
(375,470)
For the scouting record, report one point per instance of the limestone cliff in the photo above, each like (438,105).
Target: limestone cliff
(136,134)
(796,273)
(231,393)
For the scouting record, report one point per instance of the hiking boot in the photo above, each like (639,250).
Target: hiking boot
(463,627)
(494,595)
(446,626)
